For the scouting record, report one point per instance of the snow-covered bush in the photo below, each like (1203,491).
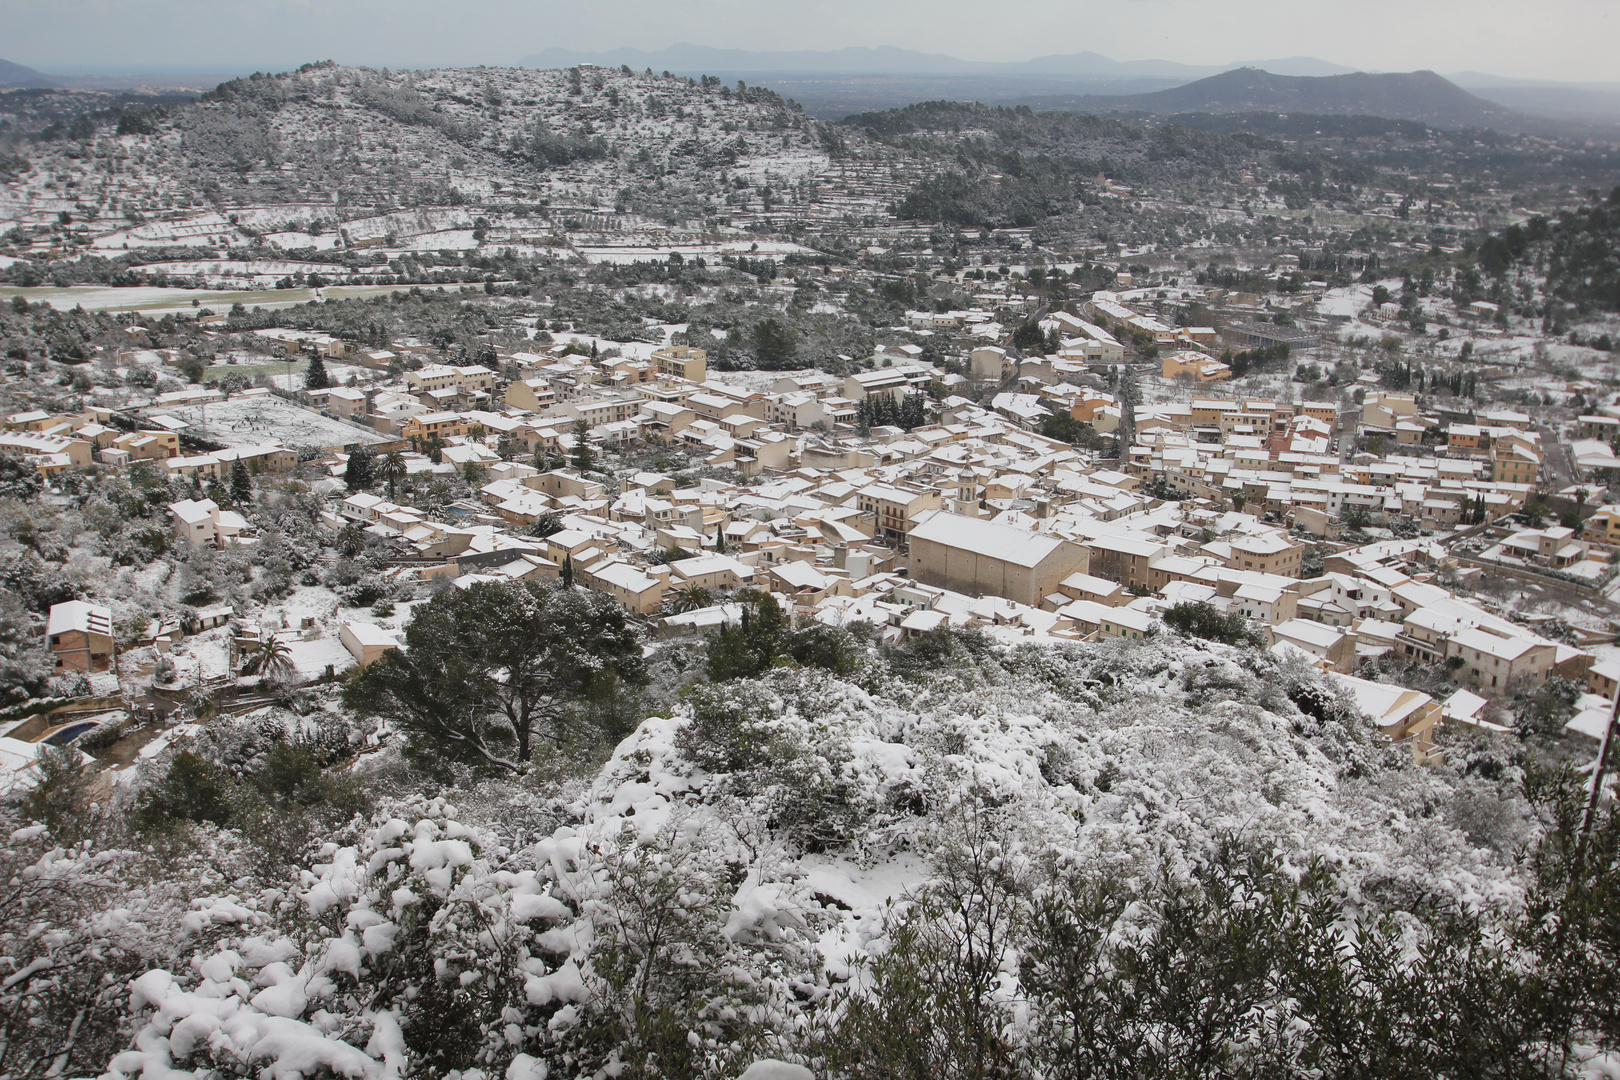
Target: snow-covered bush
(1073,861)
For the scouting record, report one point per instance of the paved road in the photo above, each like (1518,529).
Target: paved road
(1558,456)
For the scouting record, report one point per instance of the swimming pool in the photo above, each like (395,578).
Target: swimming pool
(71,732)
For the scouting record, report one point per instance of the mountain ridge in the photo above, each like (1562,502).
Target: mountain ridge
(687,58)
(14,76)
(1421,96)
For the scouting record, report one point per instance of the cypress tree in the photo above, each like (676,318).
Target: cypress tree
(316,377)
(241,484)
(361,469)
(584,459)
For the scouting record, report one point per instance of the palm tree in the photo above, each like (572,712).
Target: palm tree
(690,599)
(351,541)
(274,660)
(392,469)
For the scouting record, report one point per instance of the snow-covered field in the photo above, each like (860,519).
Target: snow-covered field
(153,299)
(759,249)
(255,421)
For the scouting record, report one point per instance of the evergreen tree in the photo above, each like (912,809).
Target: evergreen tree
(316,377)
(490,669)
(584,458)
(241,483)
(567,575)
(361,469)
(1029,337)
(913,413)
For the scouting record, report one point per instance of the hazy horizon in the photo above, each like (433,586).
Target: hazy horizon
(1557,40)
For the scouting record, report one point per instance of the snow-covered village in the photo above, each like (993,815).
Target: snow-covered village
(573,570)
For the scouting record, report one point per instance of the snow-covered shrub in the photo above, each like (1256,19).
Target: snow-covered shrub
(1088,860)
(82,917)
(428,943)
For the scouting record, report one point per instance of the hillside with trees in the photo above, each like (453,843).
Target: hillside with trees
(944,858)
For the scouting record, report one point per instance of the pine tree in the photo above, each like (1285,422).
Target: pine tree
(316,377)
(241,483)
(567,574)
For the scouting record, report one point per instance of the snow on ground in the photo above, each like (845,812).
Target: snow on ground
(293,240)
(318,656)
(753,248)
(1123,758)
(151,298)
(254,421)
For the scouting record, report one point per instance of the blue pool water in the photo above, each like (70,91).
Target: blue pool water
(71,732)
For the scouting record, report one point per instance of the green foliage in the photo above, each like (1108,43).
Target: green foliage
(1241,967)
(668,1001)
(392,469)
(1356,517)
(748,649)
(361,470)
(316,378)
(763,639)
(1203,620)
(193,790)
(490,668)
(731,725)
(241,484)
(583,457)
(60,797)
(1029,337)
(547,524)
(286,802)
(1062,426)
(1541,713)
(875,410)
(776,345)
(1269,358)
(18,479)
(25,665)
(931,1012)
(1579,247)
(689,598)
(937,651)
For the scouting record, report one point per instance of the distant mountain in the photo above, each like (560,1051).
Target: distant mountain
(685,58)
(1096,66)
(688,59)
(1422,96)
(1592,103)
(15,76)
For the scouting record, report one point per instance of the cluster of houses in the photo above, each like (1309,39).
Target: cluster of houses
(1284,460)
(56,443)
(970,519)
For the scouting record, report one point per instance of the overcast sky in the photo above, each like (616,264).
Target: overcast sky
(1573,40)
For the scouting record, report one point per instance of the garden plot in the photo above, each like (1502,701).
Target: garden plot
(255,421)
(155,299)
(606,253)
